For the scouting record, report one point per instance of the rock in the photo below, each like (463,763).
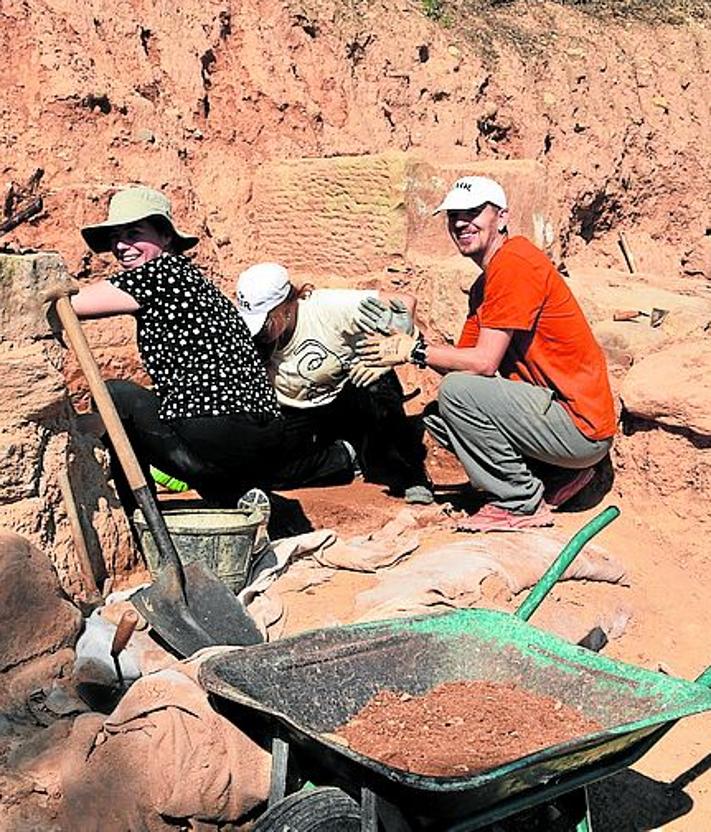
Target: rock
(17,685)
(660,101)
(145,136)
(19,451)
(35,616)
(442,289)
(22,278)
(37,388)
(62,700)
(23,808)
(39,743)
(672,387)
(381,203)
(626,343)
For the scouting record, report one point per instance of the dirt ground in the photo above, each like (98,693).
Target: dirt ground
(670,787)
(608,100)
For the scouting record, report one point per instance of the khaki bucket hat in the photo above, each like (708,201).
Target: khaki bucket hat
(132,205)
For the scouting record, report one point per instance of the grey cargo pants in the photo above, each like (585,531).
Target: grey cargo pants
(493,425)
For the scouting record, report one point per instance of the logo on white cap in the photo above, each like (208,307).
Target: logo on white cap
(259,289)
(471,192)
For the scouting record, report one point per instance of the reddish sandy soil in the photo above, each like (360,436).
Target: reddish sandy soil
(198,99)
(460,728)
(664,632)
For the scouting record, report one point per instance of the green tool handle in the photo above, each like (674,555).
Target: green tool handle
(570,551)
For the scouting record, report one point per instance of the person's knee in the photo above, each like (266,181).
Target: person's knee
(132,401)
(463,391)
(122,386)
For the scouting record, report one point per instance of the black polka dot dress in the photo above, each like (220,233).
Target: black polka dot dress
(194,344)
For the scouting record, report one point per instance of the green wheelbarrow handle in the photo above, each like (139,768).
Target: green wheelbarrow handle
(568,554)
(704,678)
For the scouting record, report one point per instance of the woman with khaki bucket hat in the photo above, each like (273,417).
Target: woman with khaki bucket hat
(212,417)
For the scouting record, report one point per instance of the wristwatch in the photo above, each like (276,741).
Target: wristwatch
(418,354)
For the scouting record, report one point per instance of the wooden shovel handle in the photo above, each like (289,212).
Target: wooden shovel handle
(101,395)
(170,570)
(626,314)
(124,631)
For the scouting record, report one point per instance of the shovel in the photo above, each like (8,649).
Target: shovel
(188,606)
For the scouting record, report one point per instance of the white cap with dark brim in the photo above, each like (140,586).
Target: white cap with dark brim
(261,288)
(471,192)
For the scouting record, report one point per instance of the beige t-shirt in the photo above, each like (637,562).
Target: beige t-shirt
(312,368)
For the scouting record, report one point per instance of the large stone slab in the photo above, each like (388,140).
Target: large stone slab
(524,181)
(673,387)
(354,215)
(39,437)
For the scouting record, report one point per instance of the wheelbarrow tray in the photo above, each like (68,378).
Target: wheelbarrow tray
(304,687)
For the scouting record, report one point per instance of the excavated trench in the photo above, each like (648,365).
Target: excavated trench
(267,130)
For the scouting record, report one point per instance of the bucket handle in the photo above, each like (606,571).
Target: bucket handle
(567,555)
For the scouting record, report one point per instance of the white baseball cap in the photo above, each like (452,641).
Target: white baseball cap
(261,288)
(471,192)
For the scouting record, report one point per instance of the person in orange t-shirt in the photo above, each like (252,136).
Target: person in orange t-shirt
(526,381)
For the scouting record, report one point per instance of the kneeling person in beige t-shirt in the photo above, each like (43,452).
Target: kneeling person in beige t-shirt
(307,337)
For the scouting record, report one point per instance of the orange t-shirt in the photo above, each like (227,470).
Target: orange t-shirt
(552,344)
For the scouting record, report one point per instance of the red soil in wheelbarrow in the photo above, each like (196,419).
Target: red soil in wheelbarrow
(460,728)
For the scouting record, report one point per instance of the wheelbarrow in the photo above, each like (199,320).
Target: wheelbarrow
(292,694)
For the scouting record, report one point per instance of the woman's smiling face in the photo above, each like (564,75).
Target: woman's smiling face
(138,243)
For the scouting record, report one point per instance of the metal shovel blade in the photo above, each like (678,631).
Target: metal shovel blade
(210,615)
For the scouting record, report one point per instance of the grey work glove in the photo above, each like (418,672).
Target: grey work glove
(386,318)
(361,375)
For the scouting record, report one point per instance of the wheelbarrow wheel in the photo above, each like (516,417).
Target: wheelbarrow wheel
(323,809)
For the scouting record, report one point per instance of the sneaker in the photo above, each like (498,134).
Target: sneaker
(256,500)
(492,518)
(560,494)
(419,495)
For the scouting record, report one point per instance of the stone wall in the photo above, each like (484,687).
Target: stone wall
(39,437)
(349,216)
